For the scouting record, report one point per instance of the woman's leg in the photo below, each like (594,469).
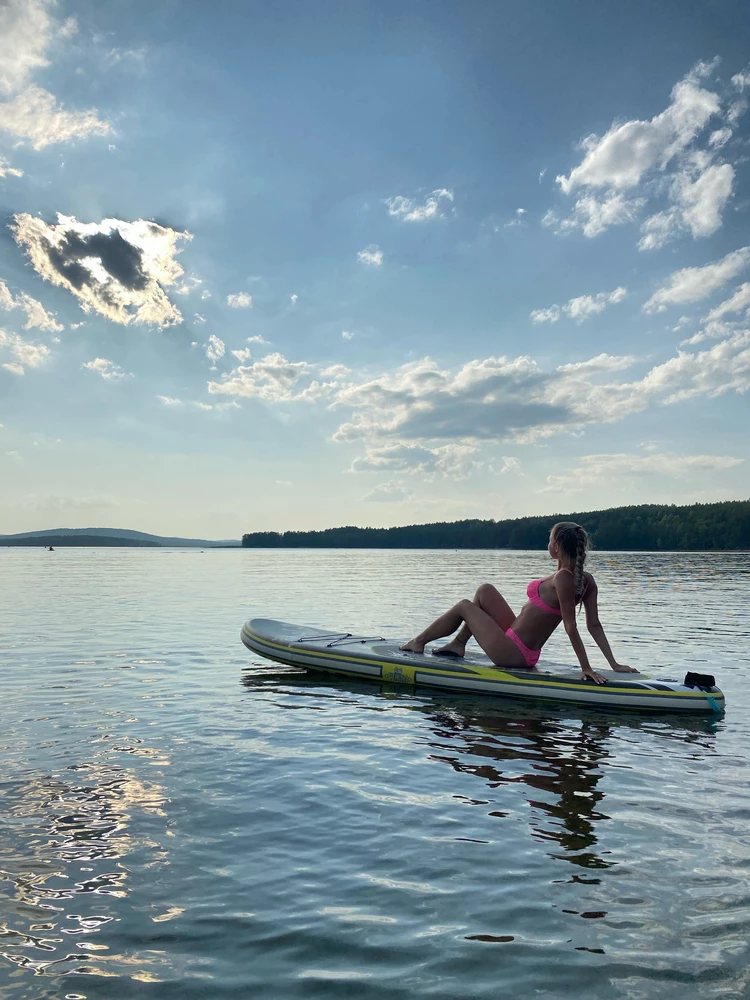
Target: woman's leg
(489,599)
(488,633)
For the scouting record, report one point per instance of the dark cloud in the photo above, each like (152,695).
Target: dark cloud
(451,418)
(120,259)
(119,269)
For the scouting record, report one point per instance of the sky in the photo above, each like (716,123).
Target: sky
(293,265)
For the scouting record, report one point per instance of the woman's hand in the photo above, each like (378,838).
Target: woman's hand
(591,675)
(623,668)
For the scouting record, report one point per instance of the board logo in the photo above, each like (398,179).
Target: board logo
(396,675)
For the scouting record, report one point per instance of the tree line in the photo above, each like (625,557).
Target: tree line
(652,527)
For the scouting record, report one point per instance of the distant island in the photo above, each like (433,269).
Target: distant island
(110,537)
(651,527)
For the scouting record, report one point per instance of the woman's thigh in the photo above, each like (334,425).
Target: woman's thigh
(492,601)
(501,650)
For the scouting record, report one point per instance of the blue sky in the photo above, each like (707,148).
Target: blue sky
(293,265)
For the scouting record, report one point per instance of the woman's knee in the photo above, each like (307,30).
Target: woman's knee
(485,590)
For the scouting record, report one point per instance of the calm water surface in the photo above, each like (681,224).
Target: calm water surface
(179,819)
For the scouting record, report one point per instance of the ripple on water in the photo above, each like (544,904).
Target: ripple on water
(174,811)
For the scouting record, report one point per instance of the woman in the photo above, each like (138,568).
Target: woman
(512,641)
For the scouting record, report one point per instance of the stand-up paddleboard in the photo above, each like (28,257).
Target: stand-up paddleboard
(378,659)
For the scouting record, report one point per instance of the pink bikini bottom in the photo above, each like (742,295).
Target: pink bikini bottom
(531,656)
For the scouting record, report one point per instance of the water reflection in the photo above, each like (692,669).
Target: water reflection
(63,844)
(560,760)
(563,758)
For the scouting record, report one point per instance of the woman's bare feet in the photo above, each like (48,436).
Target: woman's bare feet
(413,646)
(453,648)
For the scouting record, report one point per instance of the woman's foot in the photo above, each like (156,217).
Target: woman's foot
(453,648)
(413,646)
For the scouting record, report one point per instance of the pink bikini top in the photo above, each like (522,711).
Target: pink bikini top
(532,592)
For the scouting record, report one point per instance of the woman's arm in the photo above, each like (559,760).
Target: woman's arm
(595,630)
(565,594)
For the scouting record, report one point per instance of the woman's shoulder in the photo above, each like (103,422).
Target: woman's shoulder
(565,574)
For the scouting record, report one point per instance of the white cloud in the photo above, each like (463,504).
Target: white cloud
(396,457)
(658,229)
(691,284)
(372,256)
(29,33)
(659,156)
(492,399)
(703,199)
(257,339)
(118,269)
(725,367)
(215,348)
(581,308)
(275,379)
(594,216)
(26,355)
(347,334)
(271,378)
(6,170)
(585,306)
(107,369)
(551,315)
(34,114)
(28,30)
(599,364)
(294,299)
(390,492)
(456,461)
(169,400)
(244,354)
(720,137)
(518,220)
(699,193)
(335,371)
(621,157)
(410,210)
(738,302)
(15,369)
(190,284)
(36,315)
(240,300)
(619,469)
(134,57)
(502,399)
(510,464)
(422,418)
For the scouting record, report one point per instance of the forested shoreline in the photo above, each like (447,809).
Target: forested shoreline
(652,527)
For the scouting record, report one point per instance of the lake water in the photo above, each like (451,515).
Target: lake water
(180,819)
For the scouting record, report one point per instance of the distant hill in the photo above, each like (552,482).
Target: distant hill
(109,537)
(649,527)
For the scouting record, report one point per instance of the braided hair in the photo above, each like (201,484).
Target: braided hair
(574,543)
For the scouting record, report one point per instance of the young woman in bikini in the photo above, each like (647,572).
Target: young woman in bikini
(516,641)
